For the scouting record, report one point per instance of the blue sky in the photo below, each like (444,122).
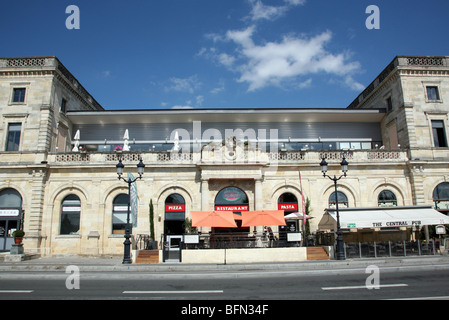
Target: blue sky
(163,54)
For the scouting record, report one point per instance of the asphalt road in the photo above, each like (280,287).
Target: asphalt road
(254,288)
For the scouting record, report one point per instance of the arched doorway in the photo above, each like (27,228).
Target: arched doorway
(175,208)
(232,199)
(289,203)
(174,227)
(10,216)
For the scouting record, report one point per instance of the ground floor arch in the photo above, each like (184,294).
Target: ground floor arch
(174,214)
(233,199)
(11,215)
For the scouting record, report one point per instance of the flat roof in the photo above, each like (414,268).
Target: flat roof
(225,115)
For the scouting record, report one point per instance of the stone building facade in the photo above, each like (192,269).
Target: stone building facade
(394,136)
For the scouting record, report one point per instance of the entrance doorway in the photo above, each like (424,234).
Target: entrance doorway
(289,203)
(10,217)
(172,249)
(174,227)
(175,208)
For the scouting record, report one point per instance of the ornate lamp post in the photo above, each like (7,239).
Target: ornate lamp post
(129,181)
(344,169)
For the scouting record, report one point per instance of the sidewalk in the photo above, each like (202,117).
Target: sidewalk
(114,264)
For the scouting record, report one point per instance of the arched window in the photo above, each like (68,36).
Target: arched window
(175,198)
(288,202)
(70,215)
(230,196)
(10,198)
(387,199)
(441,197)
(342,200)
(119,213)
(235,200)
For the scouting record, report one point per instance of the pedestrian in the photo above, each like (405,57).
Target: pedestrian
(270,236)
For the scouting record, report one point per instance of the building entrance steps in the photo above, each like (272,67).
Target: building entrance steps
(317,253)
(148,256)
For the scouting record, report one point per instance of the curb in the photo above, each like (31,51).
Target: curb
(89,265)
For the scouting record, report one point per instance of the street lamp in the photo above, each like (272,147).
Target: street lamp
(129,181)
(344,169)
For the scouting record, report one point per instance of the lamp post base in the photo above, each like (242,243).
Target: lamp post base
(340,247)
(127,252)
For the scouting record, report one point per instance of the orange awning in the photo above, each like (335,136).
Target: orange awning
(263,218)
(220,219)
(238,216)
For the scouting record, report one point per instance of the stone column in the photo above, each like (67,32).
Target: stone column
(205,195)
(205,201)
(258,200)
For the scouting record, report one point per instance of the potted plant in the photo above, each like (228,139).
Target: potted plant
(18,236)
(82,149)
(118,149)
(188,226)
(152,244)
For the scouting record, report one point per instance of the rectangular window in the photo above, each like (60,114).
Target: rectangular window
(13,142)
(18,95)
(432,93)
(389,104)
(63,105)
(439,134)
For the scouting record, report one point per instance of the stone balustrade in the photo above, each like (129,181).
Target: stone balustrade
(229,157)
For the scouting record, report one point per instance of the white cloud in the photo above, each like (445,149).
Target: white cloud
(273,62)
(242,37)
(190,84)
(261,11)
(295,2)
(182,107)
(219,88)
(189,104)
(106,73)
(290,61)
(226,59)
(199,100)
(305,84)
(354,85)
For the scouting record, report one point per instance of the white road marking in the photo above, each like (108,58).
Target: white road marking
(364,287)
(173,292)
(424,298)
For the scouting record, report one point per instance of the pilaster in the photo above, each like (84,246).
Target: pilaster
(417,184)
(33,218)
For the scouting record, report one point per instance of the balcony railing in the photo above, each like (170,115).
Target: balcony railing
(230,157)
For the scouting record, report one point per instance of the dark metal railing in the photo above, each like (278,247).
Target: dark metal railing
(236,240)
(144,242)
(389,249)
